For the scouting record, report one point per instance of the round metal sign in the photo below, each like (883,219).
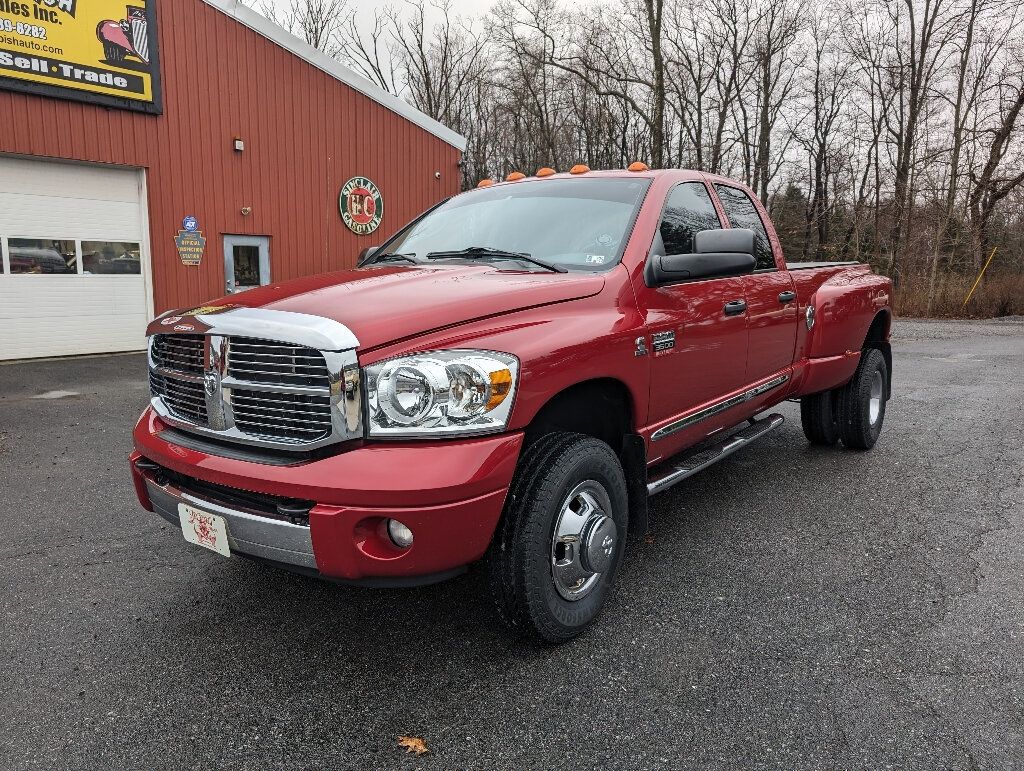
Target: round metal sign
(361,205)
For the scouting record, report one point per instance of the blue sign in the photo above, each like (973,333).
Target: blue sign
(190,223)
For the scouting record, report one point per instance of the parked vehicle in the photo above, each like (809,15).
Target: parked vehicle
(507,379)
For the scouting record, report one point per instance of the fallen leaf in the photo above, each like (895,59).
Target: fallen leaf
(649,539)
(413,744)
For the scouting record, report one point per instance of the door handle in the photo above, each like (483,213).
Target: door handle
(735,307)
(787,297)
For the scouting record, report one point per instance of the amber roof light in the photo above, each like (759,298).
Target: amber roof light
(515,176)
(545,171)
(486,183)
(637,166)
(579,168)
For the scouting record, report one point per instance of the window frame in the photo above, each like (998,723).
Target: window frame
(7,254)
(760,218)
(712,198)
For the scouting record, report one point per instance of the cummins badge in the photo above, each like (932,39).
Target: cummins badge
(361,205)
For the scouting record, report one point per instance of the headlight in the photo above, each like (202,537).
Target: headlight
(441,393)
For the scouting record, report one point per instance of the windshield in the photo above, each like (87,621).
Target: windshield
(577,224)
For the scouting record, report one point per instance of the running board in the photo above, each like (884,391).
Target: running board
(687,466)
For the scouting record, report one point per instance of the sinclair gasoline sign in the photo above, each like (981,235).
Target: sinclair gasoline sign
(361,205)
(101,51)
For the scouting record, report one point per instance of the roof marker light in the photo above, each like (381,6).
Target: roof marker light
(545,171)
(515,176)
(485,183)
(637,166)
(579,168)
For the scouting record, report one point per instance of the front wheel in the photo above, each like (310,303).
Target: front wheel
(861,407)
(561,539)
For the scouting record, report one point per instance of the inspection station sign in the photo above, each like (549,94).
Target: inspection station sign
(102,51)
(361,205)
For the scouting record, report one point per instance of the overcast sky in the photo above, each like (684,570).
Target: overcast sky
(365,8)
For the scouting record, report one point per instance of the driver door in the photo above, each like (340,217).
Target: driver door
(698,348)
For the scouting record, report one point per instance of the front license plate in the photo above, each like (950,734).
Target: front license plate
(204,529)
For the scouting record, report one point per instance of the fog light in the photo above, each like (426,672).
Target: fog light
(400,534)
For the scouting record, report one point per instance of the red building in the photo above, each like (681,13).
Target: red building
(154,155)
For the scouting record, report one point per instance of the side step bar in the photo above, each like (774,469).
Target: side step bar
(671,472)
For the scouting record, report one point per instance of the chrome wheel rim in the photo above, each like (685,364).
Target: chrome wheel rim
(584,541)
(877,395)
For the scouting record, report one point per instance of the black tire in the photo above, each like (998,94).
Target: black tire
(521,573)
(818,418)
(854,409)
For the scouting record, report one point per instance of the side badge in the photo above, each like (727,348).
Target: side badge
(809,315)
(641,346)
(663,341)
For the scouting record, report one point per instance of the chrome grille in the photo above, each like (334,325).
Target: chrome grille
(285,417)
(181,353)
(185,399)
(258,390)
(266,361)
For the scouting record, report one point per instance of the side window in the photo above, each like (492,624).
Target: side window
(743,214)
(688,210)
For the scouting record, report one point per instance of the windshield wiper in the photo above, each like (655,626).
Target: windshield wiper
(484,252)
(394,256)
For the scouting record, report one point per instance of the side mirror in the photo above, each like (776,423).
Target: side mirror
(717,254)
(366,254)
(734,240)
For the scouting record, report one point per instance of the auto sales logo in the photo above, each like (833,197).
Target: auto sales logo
(361,205)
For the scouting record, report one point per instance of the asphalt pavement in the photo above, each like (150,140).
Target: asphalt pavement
(792,608)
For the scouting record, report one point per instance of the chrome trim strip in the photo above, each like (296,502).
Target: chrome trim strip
(717,408)
(248,533)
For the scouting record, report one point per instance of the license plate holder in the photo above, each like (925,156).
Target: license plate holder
(204,529)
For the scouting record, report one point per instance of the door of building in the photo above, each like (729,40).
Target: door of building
(246,262)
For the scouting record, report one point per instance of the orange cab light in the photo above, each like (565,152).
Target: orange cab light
(486,183)
(637,166)
(579,168)
(515,176)
(545,172)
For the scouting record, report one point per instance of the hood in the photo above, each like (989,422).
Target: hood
(389,303)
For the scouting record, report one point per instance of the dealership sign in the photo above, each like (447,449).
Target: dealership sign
(101,51)
(361,205)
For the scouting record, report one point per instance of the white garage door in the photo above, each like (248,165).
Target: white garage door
(75,262)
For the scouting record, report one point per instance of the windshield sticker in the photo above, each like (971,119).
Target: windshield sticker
(595,259)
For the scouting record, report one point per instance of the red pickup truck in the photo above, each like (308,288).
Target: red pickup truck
(507,379)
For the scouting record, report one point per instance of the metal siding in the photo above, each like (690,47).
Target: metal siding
(305,134)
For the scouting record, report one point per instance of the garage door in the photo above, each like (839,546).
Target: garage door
(75,263)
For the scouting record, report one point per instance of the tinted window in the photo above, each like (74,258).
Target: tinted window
(42,255)
(581,224)
(743,214)
(110,257)
(688,211)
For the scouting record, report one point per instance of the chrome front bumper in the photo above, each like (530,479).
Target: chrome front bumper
(253,534)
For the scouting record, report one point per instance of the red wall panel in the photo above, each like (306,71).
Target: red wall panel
(305,134)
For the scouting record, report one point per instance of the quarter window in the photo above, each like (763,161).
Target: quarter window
(688,211)
(743,214)
(42,255)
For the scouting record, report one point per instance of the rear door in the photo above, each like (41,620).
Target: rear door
(770,294)
(698,351)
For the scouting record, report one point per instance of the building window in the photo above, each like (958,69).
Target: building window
(107,257)
(42,255)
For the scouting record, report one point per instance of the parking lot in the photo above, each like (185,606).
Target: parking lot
(792,608)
